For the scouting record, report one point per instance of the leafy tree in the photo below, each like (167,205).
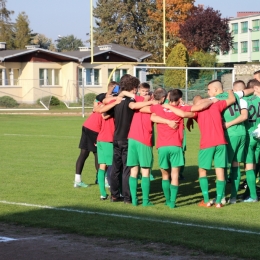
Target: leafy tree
(22,31)
(69,43)
(176,11)
(177,58)
(127,23)
(205,30)
(6,27)
(201,59)
(43,42)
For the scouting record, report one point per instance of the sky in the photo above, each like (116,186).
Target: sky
(61,17)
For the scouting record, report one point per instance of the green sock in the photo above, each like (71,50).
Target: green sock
(204,186)
(133,189)
(101,182)
(220,186)
(250,178)
(146,190)
(166,190)
(235,177)
(174,191)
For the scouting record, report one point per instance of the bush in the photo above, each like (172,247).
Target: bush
(7,101)
(53,102)
(89,99)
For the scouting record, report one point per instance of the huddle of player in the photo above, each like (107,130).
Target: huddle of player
(120,134)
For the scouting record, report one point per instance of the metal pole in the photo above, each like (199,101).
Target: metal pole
(83,98)
(186,83)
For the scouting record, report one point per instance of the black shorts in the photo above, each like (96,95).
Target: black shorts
(88,140)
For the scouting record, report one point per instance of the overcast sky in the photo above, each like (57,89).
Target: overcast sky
(61,17)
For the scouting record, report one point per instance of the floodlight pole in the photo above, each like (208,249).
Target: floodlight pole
(83,98)
(186,86)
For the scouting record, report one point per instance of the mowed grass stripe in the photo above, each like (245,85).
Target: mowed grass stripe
(132,217)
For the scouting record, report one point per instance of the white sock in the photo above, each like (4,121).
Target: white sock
(77,177)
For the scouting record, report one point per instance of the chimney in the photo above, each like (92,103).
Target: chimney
(84,48)
(30,47)
(105,47)
(2,46)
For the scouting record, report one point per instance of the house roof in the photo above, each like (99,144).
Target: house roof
(7,54)
(114,48)
(80,56)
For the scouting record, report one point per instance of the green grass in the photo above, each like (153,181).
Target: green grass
(38,156)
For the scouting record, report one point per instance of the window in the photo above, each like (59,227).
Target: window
(49,77)
(9,77)
(256,25)
(117,74)
(255,45)
(235,28)
(243,47)
(234,50)
(92,77)
(244,27)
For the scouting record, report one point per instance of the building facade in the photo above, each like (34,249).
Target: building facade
(245,29)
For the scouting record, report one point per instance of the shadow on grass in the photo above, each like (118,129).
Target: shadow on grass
(139,226)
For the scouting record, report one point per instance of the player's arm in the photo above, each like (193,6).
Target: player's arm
(160,120)
(203,104)
(110,105)
(146,109)
(105,116)
(231,98)
(179,112)
(139,105)
(243,115)
(126,94)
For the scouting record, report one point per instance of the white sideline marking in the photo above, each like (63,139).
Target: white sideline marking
(40,135)
(133,217)
(6,239)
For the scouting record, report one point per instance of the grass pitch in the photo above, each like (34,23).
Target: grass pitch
(38,156)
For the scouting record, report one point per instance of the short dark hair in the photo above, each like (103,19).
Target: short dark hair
(239,81)
(215,80)
(144,85)
(252,82)
(128,82)
(175,95)
(257,72)
(159,93)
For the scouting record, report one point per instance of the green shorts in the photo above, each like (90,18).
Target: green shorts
(252,150)
(216,153)
(236,148)
(170,157)
(139,154)
(105,152)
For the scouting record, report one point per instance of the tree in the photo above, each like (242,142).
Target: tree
(201,59)
(6,27)
(177,58)
(205,30)
(43,42)
(69,43)
(127,23)
(22,31)
(176,12)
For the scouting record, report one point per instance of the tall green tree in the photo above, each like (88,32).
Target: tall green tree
(69,43)
(127,23)
(22,31)
(177,58)
(6,26)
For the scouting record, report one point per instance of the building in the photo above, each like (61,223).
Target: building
(245,29)
(29,75)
